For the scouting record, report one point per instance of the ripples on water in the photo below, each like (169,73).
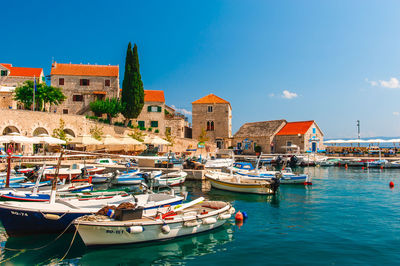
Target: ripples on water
(346,217)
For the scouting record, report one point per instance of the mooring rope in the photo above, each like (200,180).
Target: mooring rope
(70,245)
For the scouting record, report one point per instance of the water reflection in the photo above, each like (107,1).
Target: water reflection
(166,252)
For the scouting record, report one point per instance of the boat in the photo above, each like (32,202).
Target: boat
(286,175)
(236,183)
(99,230)
(381,163)
(24,218)
(393,164)
(66,195)
(105,161)
(73,171)
(329,162)
(219,163)
(170,179)
(101,178)
(134,178)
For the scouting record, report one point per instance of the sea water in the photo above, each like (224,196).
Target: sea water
(348,216)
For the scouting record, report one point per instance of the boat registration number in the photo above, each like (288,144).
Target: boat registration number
(118,232)
(19,213)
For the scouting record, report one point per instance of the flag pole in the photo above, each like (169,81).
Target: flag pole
(34,89)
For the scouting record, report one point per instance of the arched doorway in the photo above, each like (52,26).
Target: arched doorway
(10,129)
(39,131)
(70,132)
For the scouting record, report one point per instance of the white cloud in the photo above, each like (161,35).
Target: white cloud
(396,113)
(182,110)
(392,83)
(289,95)
(372,83)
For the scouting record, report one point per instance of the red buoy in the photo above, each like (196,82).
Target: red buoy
(391,184)
(239,216)
(362,168)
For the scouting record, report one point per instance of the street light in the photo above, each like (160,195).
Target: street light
(358,128)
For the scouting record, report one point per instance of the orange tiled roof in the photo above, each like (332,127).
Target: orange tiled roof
(84,70)
(294,128)
(154,96)
(23,71)
(211,98)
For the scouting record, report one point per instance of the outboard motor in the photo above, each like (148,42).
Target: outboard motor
(293,161)
(275,182)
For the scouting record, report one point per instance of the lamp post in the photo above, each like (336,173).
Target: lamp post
(358,129)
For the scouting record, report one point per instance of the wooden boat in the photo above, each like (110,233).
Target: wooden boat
(134,178)
(170,179)
(73,171)
(24,218)
(98,230)
(101,178)
(236,183)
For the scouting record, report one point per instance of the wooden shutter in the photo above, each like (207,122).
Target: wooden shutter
(149,108)
(159,109)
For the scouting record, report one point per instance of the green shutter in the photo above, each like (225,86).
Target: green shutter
(149,108)
(154,123)
(159,109)
(141,124)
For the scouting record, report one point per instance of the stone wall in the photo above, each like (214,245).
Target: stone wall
(221,115)
(176,125)
(7,101)
(96,89)
(263,142)
(153,115)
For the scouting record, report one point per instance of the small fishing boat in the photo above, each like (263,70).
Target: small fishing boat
(393,164)
(73,171)
(190,219)
(381,163)
(329,162)
(101,178)
(24,218)
(219,163)
(236,183)
(134,178)
(170,179)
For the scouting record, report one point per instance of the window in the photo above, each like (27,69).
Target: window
(77,98)
(84,82)
(168,131)
(210,109)
(141,124)
(210,125)
(314,130)
(61,81)
(4,73)
(154,108)
(289,143)
(107,83)
(65,111)
(154,124)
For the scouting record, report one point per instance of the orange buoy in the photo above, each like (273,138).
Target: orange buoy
(362,168)
(345,166)
(391,184)
(381,167)
(239,216)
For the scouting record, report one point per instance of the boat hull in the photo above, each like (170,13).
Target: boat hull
(242,188)
(111,235)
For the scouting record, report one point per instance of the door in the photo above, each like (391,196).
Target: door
(314,147)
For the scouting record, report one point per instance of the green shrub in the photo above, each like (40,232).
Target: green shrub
(150,129)
(157,131)
(257,148)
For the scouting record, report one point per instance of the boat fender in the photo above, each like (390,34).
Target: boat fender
(224,216)
(50,216)
(209,220)
(231,210)
(135,229)
(165,229)
(110,213)
(191,223)
(244,215)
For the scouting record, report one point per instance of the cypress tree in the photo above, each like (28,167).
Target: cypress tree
(132,96)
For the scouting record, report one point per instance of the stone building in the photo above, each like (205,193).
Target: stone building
(12,77)
(153,112)
(257,134)
(83,84)
(213,114)
(176,124)
(304,134)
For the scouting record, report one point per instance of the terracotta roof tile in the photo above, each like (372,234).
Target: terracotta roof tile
(211,98)
(154,96)
(84,70)
(23,71)
(294,128)
(260,129)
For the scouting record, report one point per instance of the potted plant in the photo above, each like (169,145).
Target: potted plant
(257,149)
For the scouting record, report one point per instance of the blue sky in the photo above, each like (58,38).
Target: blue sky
(331,61)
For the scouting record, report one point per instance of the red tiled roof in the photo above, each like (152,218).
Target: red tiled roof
(211,98)
(23,71)
(294,128)
(84,70)
(154,96)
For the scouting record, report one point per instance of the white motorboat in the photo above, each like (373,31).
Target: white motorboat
(98,230)
(170,179)
(237,183)
(219,163)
